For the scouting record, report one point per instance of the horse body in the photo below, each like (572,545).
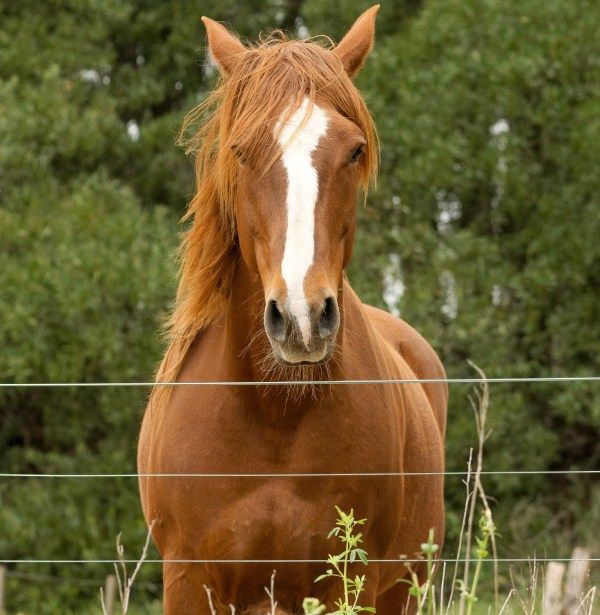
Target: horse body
(263,297)
(258,430)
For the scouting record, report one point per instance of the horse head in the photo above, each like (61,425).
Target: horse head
(297,143)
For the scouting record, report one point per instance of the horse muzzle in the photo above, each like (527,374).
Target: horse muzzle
(302,335)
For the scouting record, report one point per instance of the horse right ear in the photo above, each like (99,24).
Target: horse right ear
(224,48)
(353,49)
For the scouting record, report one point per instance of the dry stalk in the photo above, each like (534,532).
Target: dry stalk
(589,596)
(528,600)
(442,582)
(463,525)
(210,602)
(271,594)
(480,410)
(125,583)
(477,492)
(505,603)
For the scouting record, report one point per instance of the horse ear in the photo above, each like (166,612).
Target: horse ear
(224,48)
(358,42)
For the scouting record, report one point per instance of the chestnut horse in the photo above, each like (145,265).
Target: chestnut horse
(284,145)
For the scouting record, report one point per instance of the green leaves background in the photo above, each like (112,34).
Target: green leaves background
(486,214)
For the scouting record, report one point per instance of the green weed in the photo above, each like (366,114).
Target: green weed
(345,531)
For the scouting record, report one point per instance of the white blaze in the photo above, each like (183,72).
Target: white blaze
(302,192)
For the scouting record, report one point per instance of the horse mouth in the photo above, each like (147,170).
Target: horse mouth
(296,363)
(285,355)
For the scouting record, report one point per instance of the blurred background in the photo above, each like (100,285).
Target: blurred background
(483,233)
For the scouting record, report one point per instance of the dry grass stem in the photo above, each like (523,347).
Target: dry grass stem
(210,602)
(271,594)
(505,603)
(125,583)
(463,525)
(584,608)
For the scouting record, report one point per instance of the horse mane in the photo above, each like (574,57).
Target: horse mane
(238,119)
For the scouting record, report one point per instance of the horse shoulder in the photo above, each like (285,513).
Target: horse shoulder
(418,354)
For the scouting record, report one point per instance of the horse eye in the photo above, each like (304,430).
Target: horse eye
(358,152)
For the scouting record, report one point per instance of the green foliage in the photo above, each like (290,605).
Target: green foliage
(85,284)
(486,531)
(486,212)
(424,593)
(352,587)
(334,17)
(312,606)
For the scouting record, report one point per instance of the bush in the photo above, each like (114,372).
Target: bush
(86,277)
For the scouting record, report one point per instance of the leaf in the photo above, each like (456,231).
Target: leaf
(334,532)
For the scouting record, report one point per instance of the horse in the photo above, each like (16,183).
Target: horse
(237,482)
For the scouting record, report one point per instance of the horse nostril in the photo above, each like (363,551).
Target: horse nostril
(329,318)
(274,321)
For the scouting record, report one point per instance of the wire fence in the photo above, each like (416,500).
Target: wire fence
(472,381)
(263,383)
(297,474)
(460,560)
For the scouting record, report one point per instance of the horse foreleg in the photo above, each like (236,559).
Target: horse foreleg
(184,591)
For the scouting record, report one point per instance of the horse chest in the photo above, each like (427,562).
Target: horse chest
(328,435)
(244,494)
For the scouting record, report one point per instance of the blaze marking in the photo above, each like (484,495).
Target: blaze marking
(302,192)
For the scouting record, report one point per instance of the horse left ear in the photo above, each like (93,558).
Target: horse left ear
(353,49)
(224,48)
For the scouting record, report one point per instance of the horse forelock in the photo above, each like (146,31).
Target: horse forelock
(238,119)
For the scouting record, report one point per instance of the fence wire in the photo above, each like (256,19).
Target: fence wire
(272,383)
(451,560)
(298,474)
(533,380)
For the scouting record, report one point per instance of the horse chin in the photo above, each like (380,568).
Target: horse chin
(295,357)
